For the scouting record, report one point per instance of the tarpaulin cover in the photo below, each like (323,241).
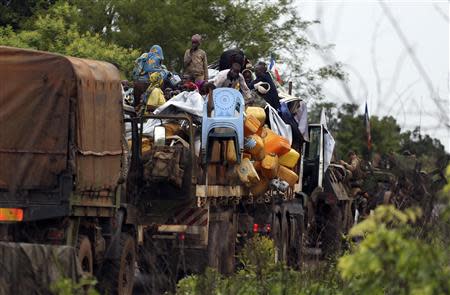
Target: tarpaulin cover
(35,120)
(187,101)
(34,268)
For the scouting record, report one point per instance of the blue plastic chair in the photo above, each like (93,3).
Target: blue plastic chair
(226,101)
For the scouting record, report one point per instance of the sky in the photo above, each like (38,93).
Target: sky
(412,86)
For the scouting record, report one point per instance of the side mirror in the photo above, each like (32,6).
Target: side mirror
(159,135)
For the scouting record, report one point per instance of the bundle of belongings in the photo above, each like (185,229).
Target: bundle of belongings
(272,139)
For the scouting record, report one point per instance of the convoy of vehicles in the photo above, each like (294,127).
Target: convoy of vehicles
(70,176)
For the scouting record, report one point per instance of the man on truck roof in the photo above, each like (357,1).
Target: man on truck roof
(233,78)
(195,61)
(263,76)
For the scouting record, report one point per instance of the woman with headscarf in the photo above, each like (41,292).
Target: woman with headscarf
(150,62)
(153,97)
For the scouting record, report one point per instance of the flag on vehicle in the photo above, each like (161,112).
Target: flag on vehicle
(367,124)
(275,70)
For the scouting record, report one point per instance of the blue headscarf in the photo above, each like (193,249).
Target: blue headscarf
(155,57)
(150,62)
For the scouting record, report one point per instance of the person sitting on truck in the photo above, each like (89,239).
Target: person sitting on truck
(153,97)
(230,56)
(263,76)
(234,79)
(195,61)
(148,63)
(354,167)
(248,76)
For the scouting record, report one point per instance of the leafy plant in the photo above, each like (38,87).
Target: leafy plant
(67,286)
(391,259)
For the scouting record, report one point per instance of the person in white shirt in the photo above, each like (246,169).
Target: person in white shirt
(234,79)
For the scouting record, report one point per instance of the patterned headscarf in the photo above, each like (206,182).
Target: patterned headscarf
(156,51)
(156,80)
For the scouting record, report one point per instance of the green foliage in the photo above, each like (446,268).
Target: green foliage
(55,31)
(260,28)
(18,12)
(392,260)
(348,129)
(68,287)
(261,275)
(429,151)
(87,28)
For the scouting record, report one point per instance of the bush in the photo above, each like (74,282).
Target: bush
(392,260)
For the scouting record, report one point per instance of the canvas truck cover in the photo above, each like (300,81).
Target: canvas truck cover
(35,268)
(54,109)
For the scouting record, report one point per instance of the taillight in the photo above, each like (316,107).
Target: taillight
(261,228)
(181,236)
(11,214)
(255,228)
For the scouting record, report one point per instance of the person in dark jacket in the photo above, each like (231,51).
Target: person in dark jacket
(263,76)
(230,56)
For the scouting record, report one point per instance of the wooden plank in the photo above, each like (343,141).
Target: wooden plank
(169,228)
(221,191)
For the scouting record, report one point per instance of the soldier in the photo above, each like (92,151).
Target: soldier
(354,167)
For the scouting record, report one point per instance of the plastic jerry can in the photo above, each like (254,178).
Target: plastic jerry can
(231,152)
(260,188)
(258,113)
(251,125)
(215,151)
(246,156)
(289,159)
(273,143)
(247,173)
(257,165)
(269,166)
(287,175)
(255,146)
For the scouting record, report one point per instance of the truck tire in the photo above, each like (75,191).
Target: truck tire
(119,272)
(296,247)
(84,253)
(229,246)
(284,237)
(213,245)
(332,231)
(276,236)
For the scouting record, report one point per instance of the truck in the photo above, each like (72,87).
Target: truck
(90,187)
(208,215)
(62,174)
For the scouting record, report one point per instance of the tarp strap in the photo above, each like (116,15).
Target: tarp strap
(100,154)
(20,151)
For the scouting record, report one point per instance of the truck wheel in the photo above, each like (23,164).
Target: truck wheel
(84,253)
(229,250)
(213,245)
(296,249)
(331,236)
(284,237)
(119,272)
(276,236)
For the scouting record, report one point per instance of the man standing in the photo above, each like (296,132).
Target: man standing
(263,76)
(195,62)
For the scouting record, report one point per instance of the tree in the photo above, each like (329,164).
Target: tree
(17,13)
(260,28)
(430,151)
(55,31)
